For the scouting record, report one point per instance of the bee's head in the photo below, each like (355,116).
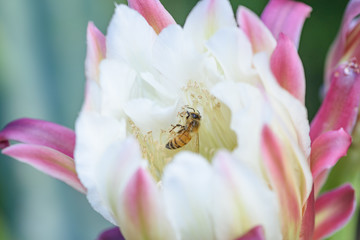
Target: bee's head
(196,116)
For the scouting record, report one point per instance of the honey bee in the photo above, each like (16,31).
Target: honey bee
(186,132)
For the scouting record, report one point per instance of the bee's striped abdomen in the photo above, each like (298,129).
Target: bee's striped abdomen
(179,141)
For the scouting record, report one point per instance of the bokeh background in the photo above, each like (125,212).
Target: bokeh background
(42,52)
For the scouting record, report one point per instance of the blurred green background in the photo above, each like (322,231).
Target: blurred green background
(42,52)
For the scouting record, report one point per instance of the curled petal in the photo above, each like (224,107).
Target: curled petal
(286,16)
(283,181)
(47,160)
(111,234)
(142,213)
(341,104)
(259,35)
(333,209)
(256,233)
(347,42)
(287,67)
(39,132)
(154,13)
(327,149)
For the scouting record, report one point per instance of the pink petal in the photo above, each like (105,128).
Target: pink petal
(326,150)
(283,181)
(39,132)
(347,43)
(47,160)
(154,13)
(308,220)
(142,209)
(111,234)
(137,197)
(340,106)
(96,51)
(333,210)
(259,35)
(287,67)
(286,16)
(256,233)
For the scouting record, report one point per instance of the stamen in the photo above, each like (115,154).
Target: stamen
(213,134)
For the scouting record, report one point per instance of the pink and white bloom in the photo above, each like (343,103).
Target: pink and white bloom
(255,168)
(347,43)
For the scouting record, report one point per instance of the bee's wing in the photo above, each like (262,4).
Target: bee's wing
(195,139)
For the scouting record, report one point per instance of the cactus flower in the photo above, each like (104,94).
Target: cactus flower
(347,43)
(252,169)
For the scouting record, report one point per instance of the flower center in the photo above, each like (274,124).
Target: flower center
(213,133)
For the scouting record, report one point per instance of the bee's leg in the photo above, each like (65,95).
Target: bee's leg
(181,130)
(182,114)
(177,125)
(191,108)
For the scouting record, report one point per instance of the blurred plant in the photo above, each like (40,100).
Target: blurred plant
(251,172)
(345,49)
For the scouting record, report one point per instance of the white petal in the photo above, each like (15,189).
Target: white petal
(249,112)
(92,101)
(150,116)
(292,123)
(187,188)
(175,57)
(94,133)
(141,211)
(245,202)
(130,38)
(206,18)
(159,88)
(286,105)
(117,164)
(233,51)
(116,80)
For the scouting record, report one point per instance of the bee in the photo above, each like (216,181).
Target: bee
(186,132)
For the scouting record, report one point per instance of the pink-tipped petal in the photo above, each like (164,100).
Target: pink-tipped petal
(143,209)
(333,209)
(154,13)
(259,35)
(341,104)
(327,149)
(47,160)
(248,198)
(308,220)
(286,16)
(256,233)
(287,67)
(111,234)
(96,51)
(283,181)
(347,43)
(39,132)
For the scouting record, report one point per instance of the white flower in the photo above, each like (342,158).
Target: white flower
(218,185)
